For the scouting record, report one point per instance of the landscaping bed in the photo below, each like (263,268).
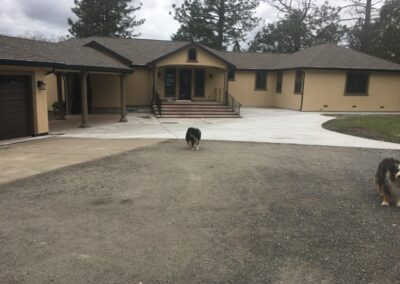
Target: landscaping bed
(377,127)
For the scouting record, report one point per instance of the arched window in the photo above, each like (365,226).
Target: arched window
(192,55)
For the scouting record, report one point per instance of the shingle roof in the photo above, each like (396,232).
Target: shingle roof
(68,56)
(139,51)
(331,56)
(253,61)
(120,53)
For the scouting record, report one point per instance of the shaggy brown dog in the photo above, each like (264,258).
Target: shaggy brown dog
(387,180)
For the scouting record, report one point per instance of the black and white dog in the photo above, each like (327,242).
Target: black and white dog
(193,137)
(387,181)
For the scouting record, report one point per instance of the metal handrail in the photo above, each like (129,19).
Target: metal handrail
(157,102)
(233,103)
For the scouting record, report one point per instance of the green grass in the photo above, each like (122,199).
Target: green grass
(378,127)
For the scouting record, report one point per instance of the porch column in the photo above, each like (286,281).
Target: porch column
(60,101)
(123,99)
(84,76)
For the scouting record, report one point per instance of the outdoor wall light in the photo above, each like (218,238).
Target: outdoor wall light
(210,76)
(41,85)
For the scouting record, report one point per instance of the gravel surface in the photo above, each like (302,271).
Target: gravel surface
(229,213)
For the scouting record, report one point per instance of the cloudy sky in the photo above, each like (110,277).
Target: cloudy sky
(49,17)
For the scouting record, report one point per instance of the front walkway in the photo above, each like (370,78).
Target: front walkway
(257,125)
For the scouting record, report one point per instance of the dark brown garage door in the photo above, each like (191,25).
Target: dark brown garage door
(15,107)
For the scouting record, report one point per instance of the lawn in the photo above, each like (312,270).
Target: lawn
(378,127)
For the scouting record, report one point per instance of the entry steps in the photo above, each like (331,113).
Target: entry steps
(195,109)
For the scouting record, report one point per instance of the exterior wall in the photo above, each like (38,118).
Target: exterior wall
(51,86)
(181,58)
(287,99)
(324,91)
(214,81)
(39,99)
(243,89)
(106,89)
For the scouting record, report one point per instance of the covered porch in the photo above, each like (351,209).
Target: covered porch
(74,94)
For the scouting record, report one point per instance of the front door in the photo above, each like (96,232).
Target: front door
(185,85)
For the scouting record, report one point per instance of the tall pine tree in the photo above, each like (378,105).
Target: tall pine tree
(304,24)
(111,18)
(216,23)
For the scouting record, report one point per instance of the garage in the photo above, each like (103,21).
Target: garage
(15,107)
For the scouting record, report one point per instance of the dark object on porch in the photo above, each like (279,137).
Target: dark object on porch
(56,108)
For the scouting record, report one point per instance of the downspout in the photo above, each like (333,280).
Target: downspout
(302,91)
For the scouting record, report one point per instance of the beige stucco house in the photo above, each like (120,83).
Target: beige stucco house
(97,75)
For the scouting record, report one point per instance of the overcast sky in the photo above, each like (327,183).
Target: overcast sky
(49,17)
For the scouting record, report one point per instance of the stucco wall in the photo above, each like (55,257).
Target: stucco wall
(106,89)
(243,89)
(39,99)
(324,91)
(51,86)
(287,99)
(181,58)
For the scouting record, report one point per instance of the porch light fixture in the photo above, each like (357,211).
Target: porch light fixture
(41,85)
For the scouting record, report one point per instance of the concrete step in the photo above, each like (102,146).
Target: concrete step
(197,113)
(199,116)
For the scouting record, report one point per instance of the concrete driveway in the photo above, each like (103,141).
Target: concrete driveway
(256,125)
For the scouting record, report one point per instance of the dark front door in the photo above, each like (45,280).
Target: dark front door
(185,86)
(199,80)
(15,107)
(170,82)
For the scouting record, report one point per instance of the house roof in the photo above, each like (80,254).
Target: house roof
(19,51)
(253,61)
(331,56)
(139,51)
(119,55)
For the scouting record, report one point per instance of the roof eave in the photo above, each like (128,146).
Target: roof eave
(64,66)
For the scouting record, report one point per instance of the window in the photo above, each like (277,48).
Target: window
(298,82)
(279,82)
(192,55)
(261,80)
(357,83)
(231,75)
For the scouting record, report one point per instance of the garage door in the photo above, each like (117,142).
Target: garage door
(15,107)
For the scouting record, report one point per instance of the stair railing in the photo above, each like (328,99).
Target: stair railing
(157,103)
(233,103)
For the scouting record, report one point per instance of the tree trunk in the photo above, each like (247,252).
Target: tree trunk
(221,21)
(366,31)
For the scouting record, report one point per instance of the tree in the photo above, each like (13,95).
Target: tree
(360,35)
(112,18)
(387,29)
(303,24)
(216,23)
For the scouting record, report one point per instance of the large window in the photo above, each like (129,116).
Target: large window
(192,55)
(279,82)
(261,80)
(298,82)
(357,83)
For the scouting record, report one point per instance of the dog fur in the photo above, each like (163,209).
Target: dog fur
(387,181)
(193,137)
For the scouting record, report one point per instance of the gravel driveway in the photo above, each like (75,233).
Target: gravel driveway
(230,213)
